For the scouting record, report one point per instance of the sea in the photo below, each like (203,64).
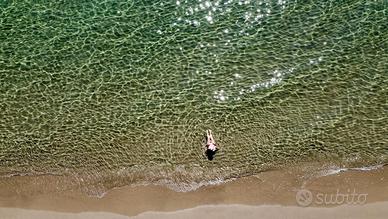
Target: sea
(121,92)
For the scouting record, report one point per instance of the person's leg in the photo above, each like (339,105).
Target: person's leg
(207,137)
(211,139)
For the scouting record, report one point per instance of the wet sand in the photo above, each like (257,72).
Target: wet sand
(375,210)
(271,194)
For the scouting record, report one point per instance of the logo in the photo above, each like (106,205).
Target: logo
(304,197)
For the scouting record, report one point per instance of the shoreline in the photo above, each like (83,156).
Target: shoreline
(270,188)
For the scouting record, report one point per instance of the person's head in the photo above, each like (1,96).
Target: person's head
(210,154)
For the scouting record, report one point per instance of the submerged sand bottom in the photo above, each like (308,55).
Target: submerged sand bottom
(330,193)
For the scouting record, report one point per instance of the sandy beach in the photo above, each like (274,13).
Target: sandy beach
(338,193)
(375,210)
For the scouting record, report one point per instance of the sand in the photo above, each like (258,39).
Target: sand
(375,210)
(271,194)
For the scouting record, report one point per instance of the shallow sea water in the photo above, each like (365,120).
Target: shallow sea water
(121,92)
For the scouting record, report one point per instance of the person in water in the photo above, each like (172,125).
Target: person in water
(211,146)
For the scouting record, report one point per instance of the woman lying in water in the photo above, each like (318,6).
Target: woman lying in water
(211,147)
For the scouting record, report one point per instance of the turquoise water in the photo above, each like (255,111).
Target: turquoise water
(123,91)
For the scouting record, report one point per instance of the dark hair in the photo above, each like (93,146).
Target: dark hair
(210,154)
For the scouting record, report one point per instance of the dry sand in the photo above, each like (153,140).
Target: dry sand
(271,194)
(375,210)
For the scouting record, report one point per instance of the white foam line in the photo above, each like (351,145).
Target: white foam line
(336,170)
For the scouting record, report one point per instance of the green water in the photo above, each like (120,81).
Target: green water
(129,87)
